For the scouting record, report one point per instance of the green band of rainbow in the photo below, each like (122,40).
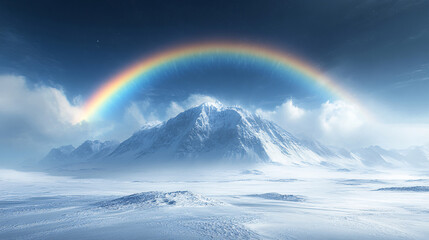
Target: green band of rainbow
(113,85)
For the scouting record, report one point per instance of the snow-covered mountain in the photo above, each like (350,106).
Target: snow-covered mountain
(210,132)
(94,149)
(416,156)
(58,155)
(89,150)
(214,133)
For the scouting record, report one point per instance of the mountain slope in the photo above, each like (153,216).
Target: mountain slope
(87,151)
(214,132)
(417,156)
(58,155)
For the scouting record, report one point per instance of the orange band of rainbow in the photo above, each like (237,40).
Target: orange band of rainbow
(113,85)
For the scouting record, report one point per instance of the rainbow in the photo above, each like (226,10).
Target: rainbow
(101,97)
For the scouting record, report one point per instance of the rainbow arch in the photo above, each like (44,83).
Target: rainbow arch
(116,83)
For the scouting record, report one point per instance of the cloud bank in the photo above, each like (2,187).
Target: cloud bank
(341,124)
(34,117)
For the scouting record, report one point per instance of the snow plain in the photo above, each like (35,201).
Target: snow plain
(272,202)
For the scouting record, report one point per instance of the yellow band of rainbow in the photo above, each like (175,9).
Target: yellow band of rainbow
(113,85)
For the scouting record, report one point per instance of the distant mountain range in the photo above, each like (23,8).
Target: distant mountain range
(213,133)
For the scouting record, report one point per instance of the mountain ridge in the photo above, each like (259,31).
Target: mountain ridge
(212,132)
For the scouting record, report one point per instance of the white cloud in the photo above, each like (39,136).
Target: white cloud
(291,117)
(287,111)
(340,116)
(333,123)
(34,117)
(174,109)
(133,113)
(196,100)
(192,101)
(42,102)
(341,124)
(294,111)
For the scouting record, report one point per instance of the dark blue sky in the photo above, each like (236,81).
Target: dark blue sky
(376,49)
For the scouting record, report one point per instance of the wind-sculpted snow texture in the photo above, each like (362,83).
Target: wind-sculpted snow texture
(159,199)
(279,197)
(313,203)
(406,189)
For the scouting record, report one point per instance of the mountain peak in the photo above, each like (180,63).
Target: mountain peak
(213,104)
(210,132)
(216,106)
(213,132)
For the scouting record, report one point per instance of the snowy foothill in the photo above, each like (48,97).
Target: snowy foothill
(159,199)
